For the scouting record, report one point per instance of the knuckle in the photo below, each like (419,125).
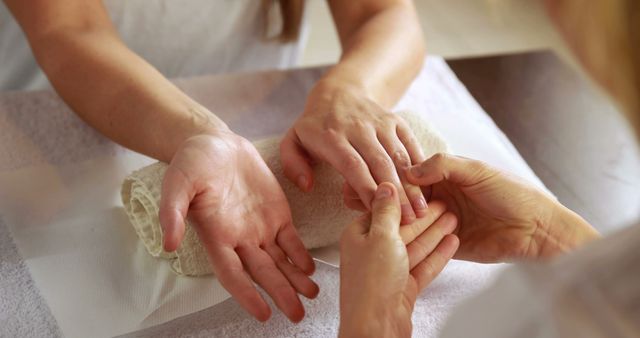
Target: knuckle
(401,159)
(400,122)
(387,209)
(382,162)
(330,134)
(379,233)
(360,125)
(350,161)
(392,118)
(440,157)
(439,160)
(421,247)
(408,232)
(479,166)
(429,269)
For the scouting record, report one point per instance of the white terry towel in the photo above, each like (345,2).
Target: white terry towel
(319,215)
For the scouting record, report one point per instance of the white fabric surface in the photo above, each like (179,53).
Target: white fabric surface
(319,215)
(59,197)
(227,34)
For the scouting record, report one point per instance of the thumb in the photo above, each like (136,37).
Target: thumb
(456,169)
(296,162)
(385,210)
(174,205)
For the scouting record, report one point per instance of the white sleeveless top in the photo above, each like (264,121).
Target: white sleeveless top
(179,38)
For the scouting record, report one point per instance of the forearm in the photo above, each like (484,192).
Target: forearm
(119,93)
(382,53)
(563,232)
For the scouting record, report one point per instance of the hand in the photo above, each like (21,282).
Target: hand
(500,217)
(365,143)
(380,278)
(243,220)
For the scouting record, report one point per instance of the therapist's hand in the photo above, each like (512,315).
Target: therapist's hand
(243,219)
(380,277)
(501,217)
(365,143)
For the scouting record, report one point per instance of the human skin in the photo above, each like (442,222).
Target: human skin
(502,217)
(346,121)
(380,275)
(499,218)
(240,211)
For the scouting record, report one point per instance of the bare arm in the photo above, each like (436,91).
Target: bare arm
(105,83)
(347,122)
(383,47)
(215,176)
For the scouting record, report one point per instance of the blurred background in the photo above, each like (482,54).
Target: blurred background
(454,28)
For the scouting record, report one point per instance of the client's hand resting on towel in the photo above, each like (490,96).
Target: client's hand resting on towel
(243,220)
(380,277)
(367,144)
(501,217)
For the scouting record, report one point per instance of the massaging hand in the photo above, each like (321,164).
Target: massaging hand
(243,220)
(380,278)
(365,143)
(500,217)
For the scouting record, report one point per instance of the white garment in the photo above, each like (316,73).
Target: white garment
(593,292)
(179,38)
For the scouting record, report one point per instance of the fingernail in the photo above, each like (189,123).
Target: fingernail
(416,171)
(302,182)
(420,203)
(383,192)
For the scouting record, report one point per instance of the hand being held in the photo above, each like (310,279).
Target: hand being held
(243,220)
(365,143)
(382,271)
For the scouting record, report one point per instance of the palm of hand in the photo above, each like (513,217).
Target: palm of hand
(240,203)
(378,266)
(243,220)
(489,229)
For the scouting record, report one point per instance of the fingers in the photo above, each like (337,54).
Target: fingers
(174,204)
(456,169)
(408,139)
(230,272)
(382,168)
(429,268)
(296,277)
(348,162)
(402,161)
(296,162)
(288,239)
(411,231)
(385,211)
(426,243)
(263,270)
(351,198)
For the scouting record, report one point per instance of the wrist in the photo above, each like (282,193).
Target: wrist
(369,320)
(336,81)
(197,121)
(364,326)
(562,232)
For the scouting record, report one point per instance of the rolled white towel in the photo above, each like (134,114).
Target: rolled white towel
(318,216)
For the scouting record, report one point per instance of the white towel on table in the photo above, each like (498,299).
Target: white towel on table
(318,216)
